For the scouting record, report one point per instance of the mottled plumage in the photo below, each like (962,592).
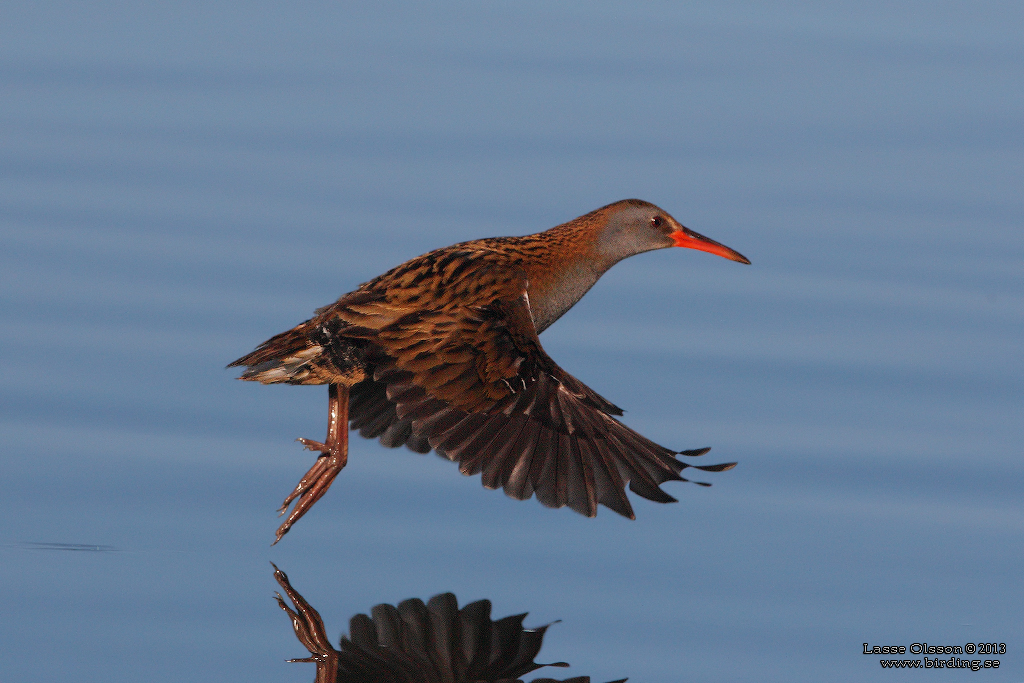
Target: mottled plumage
(413,642)
(442,352)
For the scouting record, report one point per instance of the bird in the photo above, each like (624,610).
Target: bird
(442,353)
(417,642)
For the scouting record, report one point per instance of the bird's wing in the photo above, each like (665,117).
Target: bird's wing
(475,384)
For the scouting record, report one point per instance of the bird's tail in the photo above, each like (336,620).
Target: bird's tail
(290,357)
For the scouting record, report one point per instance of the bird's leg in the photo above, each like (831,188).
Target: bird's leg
(333,457)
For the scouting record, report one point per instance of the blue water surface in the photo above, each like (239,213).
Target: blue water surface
(181,181)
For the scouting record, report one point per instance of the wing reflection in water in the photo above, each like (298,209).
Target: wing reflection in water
(415,642)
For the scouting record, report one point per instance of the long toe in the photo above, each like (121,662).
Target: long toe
(313,493)
(308,480)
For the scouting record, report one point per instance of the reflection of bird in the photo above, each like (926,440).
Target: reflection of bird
(420,643)
(442,352)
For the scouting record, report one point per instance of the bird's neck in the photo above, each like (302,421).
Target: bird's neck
(561,273)
(552,296)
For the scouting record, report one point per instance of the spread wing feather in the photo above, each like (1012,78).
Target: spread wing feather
(474,384)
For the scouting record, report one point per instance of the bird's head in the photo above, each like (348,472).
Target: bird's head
(633,226)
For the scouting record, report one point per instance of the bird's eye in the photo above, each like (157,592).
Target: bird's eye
(657,221)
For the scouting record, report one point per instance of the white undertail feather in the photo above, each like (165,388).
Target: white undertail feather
(291,368)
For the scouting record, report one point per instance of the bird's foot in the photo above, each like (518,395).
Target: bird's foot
(314,484)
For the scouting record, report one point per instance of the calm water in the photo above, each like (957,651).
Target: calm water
(179,184)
